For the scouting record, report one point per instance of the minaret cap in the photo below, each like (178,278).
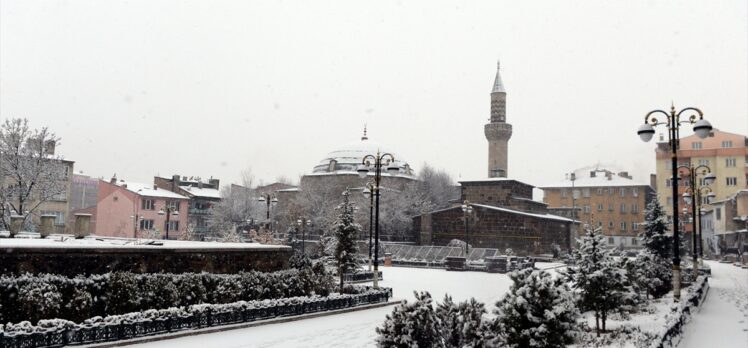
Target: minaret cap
(498,85)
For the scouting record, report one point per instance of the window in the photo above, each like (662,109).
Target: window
(670,200)
(610,206)
(634,227)
(586,192)
(623,207)
(611,191)
(731,181)
(174,204)
(730,162)
(61,197)
(610,224)
(563,193)
(622,191)
(727,143)
(146,225)
(635,191)
(611,240)
(599,207)
(623,225)
(634,208)
(600,191)
(696,145)
(633,241)
(148,204)
(587,209)
(173,225)
(703,162)
(59,216)
(599,224)
(718,212)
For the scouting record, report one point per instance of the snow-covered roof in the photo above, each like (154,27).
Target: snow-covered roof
(350,172)
(149,190)
(99,242)
(471,180)
(584,178)
(512,211)
(350,156)
(293,189)
(202,192)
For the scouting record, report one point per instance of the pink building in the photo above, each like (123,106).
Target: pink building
(127,209)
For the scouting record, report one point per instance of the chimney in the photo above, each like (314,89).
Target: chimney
(593,174)
(174,182)
(200,184)
(155,187)
(609,175)
(113,180)
(624,175)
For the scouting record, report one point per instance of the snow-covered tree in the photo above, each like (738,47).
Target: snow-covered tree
(460,325)
(538,311)
(651,274)
(411,325)
(654,236)
(239,204)
(602,281)
(346,233)
(30,173)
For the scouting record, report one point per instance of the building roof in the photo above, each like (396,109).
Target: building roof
(148,190)
(202,192)
(498,85)
(491,180)
(512,211)
(349,156)
(603,178)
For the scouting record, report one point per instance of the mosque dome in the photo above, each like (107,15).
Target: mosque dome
(346,159)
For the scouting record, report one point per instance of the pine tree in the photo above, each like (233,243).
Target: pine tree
(411,325)
(345,234)
(460,325)
(602,281)
(538,311)
(654,237)
(652,274)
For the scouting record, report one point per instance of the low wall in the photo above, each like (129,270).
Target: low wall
(71,260)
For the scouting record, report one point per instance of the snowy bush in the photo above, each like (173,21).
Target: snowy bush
(191,289)
(123,293)
(410,325)
(40,300)
(461,325)
(538,311)
(159,291)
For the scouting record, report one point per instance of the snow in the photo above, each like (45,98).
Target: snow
(542,216)
(202,192)
(148,190)
(96,242)
(356,329)
(723,318)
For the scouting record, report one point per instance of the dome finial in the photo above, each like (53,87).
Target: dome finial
(364,137)
(498,65)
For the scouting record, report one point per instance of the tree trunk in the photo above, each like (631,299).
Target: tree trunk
(604,318)
(340,271)
(597,323)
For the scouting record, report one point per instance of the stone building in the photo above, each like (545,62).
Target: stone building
(504,213)
(613,201)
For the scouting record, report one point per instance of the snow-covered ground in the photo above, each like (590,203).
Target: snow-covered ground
(356,329)
(723,319)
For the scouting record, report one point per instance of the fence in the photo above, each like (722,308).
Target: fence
(364,276)
(178,321)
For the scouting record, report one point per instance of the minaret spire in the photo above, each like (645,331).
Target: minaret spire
(498,131)
(498,85)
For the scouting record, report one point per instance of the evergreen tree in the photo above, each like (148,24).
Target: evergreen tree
(538,311)
(652,274)
(654,237)
(411,325)
(460,325)
(602,281)
(345,234)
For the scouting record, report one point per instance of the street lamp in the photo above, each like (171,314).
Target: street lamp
(673,122)
(302,222)
(377,161)
(270,200)
(168,211)
(691,196)
(367,193)
(467,209)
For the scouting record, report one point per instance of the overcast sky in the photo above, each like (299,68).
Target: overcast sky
(209,88)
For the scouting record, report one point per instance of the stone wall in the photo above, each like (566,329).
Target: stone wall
(497,193)
(72,261)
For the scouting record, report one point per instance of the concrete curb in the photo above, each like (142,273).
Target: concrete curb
(207,330)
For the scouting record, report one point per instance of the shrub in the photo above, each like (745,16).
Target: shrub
(410,325)
(159,291)
(191,289)
(123,295)
(40,300)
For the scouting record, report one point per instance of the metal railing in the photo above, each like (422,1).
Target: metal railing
(180,321)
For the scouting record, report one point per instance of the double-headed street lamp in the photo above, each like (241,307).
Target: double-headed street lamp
(673,122)
(368,194)
(378,162)
(168,211)
(303,223)
(693,196)
(467,209)
(270,200)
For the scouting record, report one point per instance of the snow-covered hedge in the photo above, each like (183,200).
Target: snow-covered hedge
(45,296)
(681,314)
(60,332)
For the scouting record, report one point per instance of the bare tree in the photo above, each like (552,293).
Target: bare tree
(31,174)
(237,206)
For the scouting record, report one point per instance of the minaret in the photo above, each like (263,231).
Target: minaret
(498,131)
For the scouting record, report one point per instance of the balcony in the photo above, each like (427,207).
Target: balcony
(196,211)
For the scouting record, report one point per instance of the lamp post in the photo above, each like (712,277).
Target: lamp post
(378,160)
(692,196)
(168,211)
(673,122)
(467,209)
(367,193)
(270,200)
(302,223)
